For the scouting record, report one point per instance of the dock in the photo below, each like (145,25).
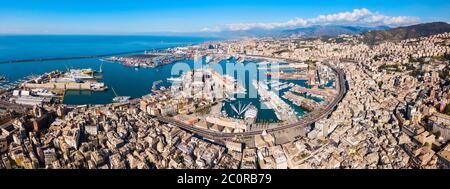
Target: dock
(303,102)
(327,94)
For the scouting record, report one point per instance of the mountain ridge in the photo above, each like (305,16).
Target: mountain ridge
(331,30)
(405,32)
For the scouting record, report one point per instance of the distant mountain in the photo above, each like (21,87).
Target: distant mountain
(330,31)
(402,33)
(371,35)
(223,34)
(306,32)
(247,33)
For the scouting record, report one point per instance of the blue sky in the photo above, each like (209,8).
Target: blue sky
(138,16)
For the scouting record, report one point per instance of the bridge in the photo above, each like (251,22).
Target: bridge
(308,119)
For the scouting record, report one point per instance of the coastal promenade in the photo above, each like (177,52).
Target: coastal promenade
(306,120)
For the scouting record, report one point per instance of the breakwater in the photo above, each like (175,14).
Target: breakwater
(78,57)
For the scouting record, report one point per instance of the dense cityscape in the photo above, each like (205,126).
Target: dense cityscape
(370,106)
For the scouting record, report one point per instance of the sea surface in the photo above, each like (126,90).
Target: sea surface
(13,47)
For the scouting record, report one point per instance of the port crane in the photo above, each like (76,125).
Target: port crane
(119,99)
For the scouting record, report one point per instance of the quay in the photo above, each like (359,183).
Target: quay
(327,94)
(63,86)
(303,102)
(289,75)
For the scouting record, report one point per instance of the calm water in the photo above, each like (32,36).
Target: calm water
(48,46)
(264,114)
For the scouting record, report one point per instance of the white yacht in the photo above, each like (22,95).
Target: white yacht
(251,113)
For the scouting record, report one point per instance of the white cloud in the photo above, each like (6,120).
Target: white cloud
(360,17)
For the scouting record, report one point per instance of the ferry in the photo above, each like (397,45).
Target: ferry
(172,79)
(80,73)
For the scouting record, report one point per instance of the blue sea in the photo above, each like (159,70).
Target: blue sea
(49,46)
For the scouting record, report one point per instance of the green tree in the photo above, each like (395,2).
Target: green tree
(437,134)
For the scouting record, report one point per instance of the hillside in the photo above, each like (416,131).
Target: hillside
(401,33)
(330,31)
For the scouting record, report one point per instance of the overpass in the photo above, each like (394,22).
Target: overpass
(308,119)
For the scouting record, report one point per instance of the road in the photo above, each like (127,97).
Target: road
(305,120)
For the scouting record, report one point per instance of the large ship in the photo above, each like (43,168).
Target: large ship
(251,114)
(80,73)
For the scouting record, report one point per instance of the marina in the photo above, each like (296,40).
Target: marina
(272,101)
